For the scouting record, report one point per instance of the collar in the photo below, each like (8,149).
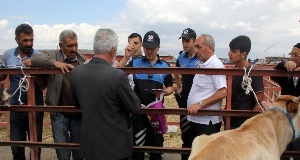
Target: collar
(249,65)
(290,120)
(144,59)
(99,60)
(186,54)
(67,59)
(209,60)
(16,53)
(131,58)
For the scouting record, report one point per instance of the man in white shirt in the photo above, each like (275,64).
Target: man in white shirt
(207,91)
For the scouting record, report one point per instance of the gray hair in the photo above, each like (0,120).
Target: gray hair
(209,41)
(104,41)
(67,33)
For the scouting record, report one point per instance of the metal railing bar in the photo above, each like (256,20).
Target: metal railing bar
(171,70)
(165,111)
(136,148)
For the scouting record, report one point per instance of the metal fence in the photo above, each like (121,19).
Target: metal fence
(31,108)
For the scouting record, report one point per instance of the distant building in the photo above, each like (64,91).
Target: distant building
(276,60)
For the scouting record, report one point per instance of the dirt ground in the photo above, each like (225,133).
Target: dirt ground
(171,139)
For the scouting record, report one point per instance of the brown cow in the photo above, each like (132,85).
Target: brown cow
(264,136)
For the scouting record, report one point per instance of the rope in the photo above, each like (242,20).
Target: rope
(23,88)
(246,85)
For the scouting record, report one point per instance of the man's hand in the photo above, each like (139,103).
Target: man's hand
(194,108)
(129,50)
(27,63)
(63,66)
(290,65)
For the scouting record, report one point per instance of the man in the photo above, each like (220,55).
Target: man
(186,58)
(106,101)
(290,85)
(239,50)
(65,126)
(135,44)
(207,90)
(144,84)
(12,58)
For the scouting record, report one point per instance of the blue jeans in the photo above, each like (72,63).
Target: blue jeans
(19,126)
(66,129)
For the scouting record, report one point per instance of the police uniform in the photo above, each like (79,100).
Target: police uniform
(143,133)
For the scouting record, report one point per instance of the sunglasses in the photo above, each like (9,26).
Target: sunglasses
(294,54)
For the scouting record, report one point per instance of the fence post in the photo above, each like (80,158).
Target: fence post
(228,102)
(32,117)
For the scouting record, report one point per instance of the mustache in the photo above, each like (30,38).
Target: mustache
(28,47)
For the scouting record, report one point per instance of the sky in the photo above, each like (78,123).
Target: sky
(272,25)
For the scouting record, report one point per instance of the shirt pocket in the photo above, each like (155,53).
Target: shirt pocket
(204,81)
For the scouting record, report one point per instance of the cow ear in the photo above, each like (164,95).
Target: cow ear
(295,108)
(296,105)
(292,107)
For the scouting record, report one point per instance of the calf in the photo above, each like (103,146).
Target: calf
(264,136)
(4,97)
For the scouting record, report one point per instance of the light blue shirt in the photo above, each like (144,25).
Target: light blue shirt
(12,59)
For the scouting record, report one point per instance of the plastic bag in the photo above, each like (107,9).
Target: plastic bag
(157,121)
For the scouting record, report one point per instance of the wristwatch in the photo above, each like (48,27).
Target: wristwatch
(201,104)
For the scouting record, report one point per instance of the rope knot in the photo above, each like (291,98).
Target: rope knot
(21,87)
(246,85)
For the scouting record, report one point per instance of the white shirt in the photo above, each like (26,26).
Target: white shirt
(295,81)
(130,76)
(205,86)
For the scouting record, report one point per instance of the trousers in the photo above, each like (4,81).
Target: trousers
(184,125)
(19,131)
(66,129)
(143,134)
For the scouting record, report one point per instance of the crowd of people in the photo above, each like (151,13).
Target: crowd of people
(109,124)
